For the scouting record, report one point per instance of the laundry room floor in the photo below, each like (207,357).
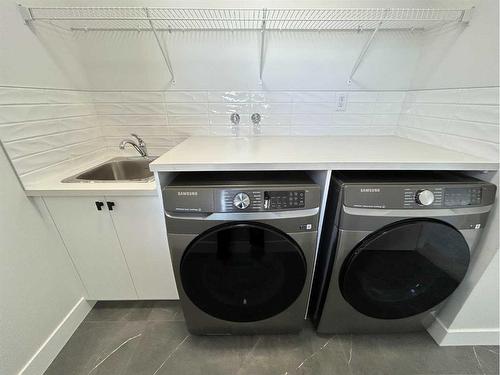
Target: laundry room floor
(147,337)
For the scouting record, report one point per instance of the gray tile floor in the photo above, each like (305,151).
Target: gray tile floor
(125,338)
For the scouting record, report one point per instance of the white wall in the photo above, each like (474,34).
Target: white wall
(44,119)
(460,111)
(128,60)
(38,283)
(462,58)
(39,286)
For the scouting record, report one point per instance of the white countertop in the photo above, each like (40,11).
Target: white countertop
(314,153)
(50,184)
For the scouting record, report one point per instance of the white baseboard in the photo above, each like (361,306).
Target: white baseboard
(57,339)
(459,337)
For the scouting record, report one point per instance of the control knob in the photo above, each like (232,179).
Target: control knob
(424,197)
(241,201)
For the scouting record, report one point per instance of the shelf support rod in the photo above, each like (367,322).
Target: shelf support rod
(163,50)
(262,43)
(363,52)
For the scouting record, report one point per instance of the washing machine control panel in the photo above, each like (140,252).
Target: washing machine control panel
(263,200)
(393,196)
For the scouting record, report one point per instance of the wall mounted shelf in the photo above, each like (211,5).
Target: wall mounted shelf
(262,20)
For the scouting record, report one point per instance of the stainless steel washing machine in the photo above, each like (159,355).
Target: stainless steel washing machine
(394,247)
(243,247)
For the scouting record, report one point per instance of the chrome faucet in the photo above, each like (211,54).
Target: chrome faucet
(140,146)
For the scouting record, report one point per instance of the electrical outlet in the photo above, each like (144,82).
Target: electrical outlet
(341,102)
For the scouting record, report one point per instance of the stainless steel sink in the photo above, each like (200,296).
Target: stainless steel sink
(117,169)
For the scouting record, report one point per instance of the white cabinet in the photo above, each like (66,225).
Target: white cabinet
(120,251)
(141,229)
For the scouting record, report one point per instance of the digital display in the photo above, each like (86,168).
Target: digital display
(462,196)
(285,199)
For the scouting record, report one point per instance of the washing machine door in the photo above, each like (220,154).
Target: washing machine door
(404,269)
(243,272)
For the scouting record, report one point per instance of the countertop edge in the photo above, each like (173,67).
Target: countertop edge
(457,166)
(58,192)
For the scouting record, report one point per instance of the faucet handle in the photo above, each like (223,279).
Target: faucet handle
(139,139)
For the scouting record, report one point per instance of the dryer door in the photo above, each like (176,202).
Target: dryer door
(243,272)
(404,269)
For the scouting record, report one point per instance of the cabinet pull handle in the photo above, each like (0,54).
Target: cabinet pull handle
(110,205)
(99,205)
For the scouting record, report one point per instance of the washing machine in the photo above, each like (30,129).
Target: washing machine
(394,246)
(242,246)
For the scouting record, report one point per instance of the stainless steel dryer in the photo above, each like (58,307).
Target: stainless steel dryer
(242,247)
(394,246)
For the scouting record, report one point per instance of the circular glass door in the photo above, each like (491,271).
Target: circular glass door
(243,272)
(404,269)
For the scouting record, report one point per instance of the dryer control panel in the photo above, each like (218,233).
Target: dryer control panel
(419,196)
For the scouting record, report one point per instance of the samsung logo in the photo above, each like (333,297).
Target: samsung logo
(188,193)
(370,190)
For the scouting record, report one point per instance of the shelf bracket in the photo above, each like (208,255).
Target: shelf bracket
(163,50)
(363,52)
(25,13)
(262,44)
(466,15)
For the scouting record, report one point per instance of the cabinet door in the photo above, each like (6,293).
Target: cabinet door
(141,229)
(93,245)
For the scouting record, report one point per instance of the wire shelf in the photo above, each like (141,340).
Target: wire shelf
(132,18)
(264,20)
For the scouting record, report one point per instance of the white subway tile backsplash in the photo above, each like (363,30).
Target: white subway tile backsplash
(273,131)
(312,119)
(124,131)
(17,149)
(39,122)
(130,108)
(385,119)
(33,162)
(241,131)
(353,107)
(225,120)
(32,112)
(486,95)
(188,120)
(313,107)
(107,96)
(142,96)
(345,119)
(387,108)
(437,96)
(228,96)
(15,95)
(187,108)
(271,97)
(466,120)
(313,96)
(341,130)
(275,108)
(138,120)
(12,132)
(187,130)
(186,97)
(485,132)
(271,119)
(440,125)
(362,96)
(480,113)
(228,108)
(391,96)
